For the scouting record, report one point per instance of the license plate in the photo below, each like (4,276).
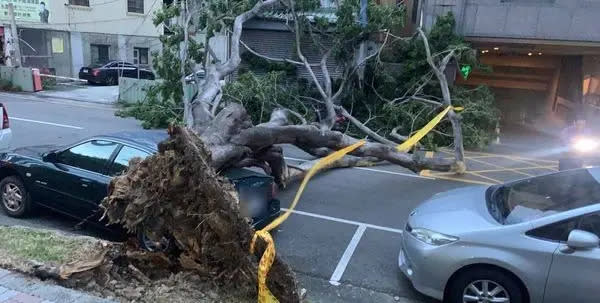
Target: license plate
(85,70)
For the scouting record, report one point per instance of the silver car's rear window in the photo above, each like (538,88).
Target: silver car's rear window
(541,196)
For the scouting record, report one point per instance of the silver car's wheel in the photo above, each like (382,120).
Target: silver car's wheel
(12,197)
(485,291)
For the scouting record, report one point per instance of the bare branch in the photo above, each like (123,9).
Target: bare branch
(394,134)
(364,128)
(248,48)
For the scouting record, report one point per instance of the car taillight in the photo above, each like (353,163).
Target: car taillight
(95,72)
(5,121)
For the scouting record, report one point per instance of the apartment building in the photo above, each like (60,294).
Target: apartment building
(64,35)
(545,54)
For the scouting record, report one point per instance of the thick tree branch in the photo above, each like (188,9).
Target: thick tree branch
(459,151)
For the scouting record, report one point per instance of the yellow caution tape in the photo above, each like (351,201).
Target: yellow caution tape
(408,144)
(264,294)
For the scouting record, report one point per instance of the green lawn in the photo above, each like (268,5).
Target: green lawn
(40,245)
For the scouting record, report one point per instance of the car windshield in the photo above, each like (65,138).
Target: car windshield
(542,196)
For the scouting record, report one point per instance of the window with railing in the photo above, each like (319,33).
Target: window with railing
(80,2)
(135,6)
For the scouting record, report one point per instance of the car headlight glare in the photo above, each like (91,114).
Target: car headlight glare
(585,145)
(432,237)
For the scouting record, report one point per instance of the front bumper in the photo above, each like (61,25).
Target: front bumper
(424,266)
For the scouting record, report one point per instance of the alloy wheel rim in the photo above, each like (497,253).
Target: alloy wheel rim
(12,197)
(485,291)
(154,246)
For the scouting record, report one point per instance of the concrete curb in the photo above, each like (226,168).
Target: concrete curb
(17,288)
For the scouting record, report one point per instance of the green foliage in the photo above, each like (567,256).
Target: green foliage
(261,94)
(155,111)
(164,100)
(402,68)
(258,64)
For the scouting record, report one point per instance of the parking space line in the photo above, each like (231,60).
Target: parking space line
(484,177)
(345,259)
(44,122)
(520,168)
(340,220)
(373,170)
(444,176)
(528,162)
(505,168)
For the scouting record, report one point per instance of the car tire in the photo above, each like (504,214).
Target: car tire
(110,80)
(463,286)
(16,201)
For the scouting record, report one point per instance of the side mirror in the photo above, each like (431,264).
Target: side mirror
(50,157)
(579,239)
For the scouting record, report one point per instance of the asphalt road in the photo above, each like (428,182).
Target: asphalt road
(343,239)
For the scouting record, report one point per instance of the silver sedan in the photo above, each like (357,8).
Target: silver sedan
(534,240)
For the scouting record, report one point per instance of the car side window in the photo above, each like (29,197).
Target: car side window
(591,223)
(558,231)
(122,160)
(93,155)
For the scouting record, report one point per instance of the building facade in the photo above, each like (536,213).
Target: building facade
(64,35)
(545,54)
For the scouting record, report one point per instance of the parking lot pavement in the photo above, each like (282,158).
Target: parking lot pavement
(347,226)
(495,168)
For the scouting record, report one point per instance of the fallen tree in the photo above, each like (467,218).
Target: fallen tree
(225,127)
(178,193)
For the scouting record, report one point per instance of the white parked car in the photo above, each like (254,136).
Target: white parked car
(5,132)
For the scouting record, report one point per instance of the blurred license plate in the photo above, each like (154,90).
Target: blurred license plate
(85,70)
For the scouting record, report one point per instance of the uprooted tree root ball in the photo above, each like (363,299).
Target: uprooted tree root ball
(177,194)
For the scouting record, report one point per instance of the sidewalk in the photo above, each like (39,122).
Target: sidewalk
(83,93)
(17,288)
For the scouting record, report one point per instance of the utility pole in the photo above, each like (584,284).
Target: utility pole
(16,48)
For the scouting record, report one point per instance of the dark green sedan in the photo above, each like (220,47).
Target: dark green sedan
(74,179)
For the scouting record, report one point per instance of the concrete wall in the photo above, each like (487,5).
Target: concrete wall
(575,20)
(76,52)
(37,50)
(88,39)
(19,76)
(120,46)
(133,90)
(102,16)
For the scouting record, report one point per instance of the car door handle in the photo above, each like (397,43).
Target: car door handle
(85,182)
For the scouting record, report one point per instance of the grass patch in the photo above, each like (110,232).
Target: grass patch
(22,244)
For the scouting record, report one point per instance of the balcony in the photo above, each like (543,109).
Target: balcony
(566,20)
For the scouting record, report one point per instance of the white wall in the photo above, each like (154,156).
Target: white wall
(102,16)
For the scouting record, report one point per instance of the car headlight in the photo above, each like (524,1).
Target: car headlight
(432,237)
(585,145)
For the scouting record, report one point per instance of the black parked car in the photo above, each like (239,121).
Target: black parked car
(110,72)
(74,179)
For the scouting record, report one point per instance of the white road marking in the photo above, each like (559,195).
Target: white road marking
(343,263)
(373,170)
(340,220)
(44,122)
